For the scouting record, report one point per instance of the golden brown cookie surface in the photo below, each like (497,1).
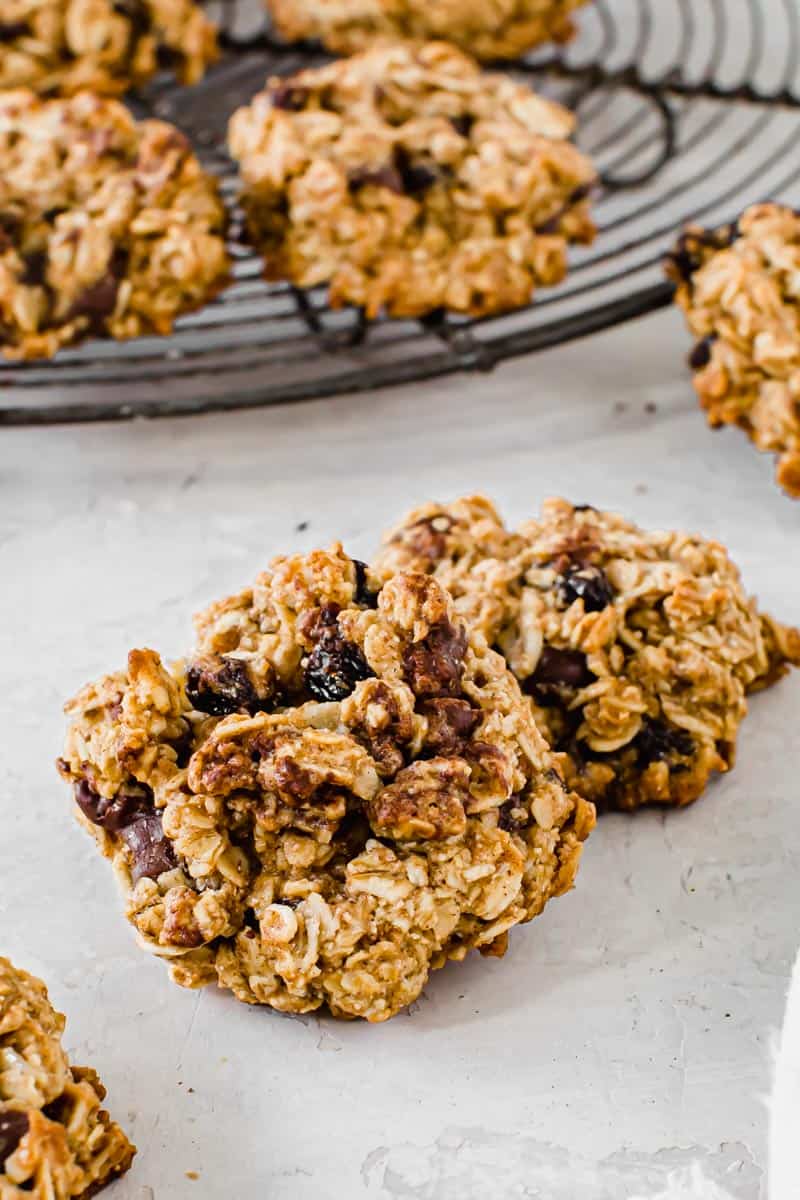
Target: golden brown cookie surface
(60,47)
(56,1142)
(637,648)
(407,179)
(738,288)
(108,227)
(338,791)
(488,29)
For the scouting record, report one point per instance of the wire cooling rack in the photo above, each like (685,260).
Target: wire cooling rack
(689,108)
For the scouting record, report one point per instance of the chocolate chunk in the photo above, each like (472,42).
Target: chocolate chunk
(151,849)
(289,96)
(701,354)
(386,176)
(589,584)
(450,724)
(463,124)
(130,814)
(96,302)
(658,740)
(363,595)
(219,686)
(434,666)
(112,814)
(565,668)
(13,1127)
(583,508)
(334,666)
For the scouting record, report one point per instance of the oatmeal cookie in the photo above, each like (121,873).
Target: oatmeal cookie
(56,1142)
(738,287)
(408,180)
(488,29)
(107,227)
(338,791)
(637,649)
(60,47)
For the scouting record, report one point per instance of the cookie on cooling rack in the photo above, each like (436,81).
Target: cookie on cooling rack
(339,791)
(738,288)
(56,1142)
(408,180)
(637,648)
(60,47)
(107,227)
(485,28)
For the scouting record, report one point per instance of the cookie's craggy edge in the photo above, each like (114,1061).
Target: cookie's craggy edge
(56,1142)
(481,27)
(107,227)
(737,287)
(637,649)
(408,180)
(61,47)
(376,799)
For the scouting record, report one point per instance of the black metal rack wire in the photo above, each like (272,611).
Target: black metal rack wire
(690,108)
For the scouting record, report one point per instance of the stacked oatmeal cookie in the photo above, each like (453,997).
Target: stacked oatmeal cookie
(361,772)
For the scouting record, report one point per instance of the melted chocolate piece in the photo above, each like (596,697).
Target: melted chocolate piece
(13,1127)
(151,850)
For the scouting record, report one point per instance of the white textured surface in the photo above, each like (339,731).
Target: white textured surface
(629,1024)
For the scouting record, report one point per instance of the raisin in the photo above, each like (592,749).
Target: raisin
(434,666)
(221,686)
(701,354)
(35,265)
(513,815)
(463,124)
(589,584)
(363,595)
(13,1127)
(561,668)
(290,96)
(658,740)
(386,176)
(417,175)
(334,666)
(11,30)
